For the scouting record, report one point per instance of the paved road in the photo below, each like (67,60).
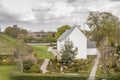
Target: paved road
(94,69)
(44,66)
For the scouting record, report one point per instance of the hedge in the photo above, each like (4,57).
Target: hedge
(47,77)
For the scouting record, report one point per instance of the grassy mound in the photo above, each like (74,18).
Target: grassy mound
(8,45)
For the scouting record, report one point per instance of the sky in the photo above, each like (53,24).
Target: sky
(48,15)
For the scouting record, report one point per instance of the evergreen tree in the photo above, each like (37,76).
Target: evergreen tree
(68,53)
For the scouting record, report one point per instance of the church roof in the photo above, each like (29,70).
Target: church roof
(65,34)
(90,44)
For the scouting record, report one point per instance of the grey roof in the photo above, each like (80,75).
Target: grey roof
(65,34)
(91,44)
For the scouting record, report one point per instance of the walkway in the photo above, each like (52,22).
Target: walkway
(44,66)
(54,51)
(94,69)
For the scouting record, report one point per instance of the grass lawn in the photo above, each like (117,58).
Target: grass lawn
(41,51)
(5,71)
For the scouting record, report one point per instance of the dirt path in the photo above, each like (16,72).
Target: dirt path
(44,66)
(94,69)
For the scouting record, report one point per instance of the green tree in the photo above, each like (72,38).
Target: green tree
(16,32)
(12,31)
(105,31)
(51,37)
(61,30)
(23,31)
(68,53)
(103,24)
(108,59)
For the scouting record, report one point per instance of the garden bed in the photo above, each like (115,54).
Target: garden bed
(80,67)
(7,60)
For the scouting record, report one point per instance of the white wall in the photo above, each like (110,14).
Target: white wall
(58,46)
(91,51)
(79,41)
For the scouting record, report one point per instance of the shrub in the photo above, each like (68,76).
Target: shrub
(47,77)
(117,69)
(7,61)
(27,65)
(35,69)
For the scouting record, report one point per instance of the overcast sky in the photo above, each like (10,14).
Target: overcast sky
(47,15)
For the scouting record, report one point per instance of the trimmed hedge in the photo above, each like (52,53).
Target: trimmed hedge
(47,77)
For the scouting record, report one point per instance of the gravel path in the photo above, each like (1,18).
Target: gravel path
(44,66)
(94,69)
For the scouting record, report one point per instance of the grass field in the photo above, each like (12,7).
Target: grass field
(41,51)
(5,72)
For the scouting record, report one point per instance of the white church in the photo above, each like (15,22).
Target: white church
(84,46)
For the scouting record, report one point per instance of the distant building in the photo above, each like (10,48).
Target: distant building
(37,34)
(41,34)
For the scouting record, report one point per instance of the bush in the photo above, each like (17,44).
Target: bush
(47,77)
(35,69)
(117,69)
(7,61)
(27,65)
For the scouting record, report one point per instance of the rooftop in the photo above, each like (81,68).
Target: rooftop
(65,34)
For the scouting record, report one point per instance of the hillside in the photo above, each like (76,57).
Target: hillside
(8,45)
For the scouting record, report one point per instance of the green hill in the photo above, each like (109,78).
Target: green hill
(9,45)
